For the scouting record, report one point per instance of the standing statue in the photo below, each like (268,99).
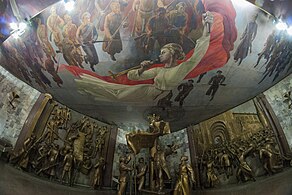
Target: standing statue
(269,156)
(226,164)
(98,174)
(160,166)
(182,186)
(244,171)
(67,166)
(124,169)
(212,178)
(141,173)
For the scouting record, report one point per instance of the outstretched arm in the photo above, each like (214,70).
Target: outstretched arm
(200,49)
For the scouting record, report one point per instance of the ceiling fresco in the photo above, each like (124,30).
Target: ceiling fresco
(119,61)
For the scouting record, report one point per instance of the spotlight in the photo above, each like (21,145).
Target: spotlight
(69,5)
(289,30)
(281,25)
(13,26)
(17,29)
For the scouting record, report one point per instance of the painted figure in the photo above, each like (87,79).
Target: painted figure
(54,24)
(112,26)
(86,35)
(50,67)
(268,48)
(165,78)
(42,35)
(156,28)
(245,46)
(70,30)
(215,82)
(178,23)
(184,90)
(144,10)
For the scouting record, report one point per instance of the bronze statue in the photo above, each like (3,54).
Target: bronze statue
(100,140)
(182,186)
(23,157)
(124,169)
(67,166)
(50,167)
(160,166)
(226,163)
(98,174)
(156,125)
(86,165)
(270,157)
(244,171)
(41,156)
(141,173)
(212,178)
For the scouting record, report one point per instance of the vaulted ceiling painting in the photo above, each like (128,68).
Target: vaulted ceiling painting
(118,61)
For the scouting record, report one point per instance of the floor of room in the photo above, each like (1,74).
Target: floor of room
(17,182)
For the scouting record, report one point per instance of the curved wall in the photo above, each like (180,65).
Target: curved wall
(13,117)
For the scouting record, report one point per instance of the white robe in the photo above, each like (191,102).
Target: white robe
(165,79)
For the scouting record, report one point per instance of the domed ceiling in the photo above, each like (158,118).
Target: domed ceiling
(119,61)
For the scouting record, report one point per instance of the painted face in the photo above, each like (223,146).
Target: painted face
(86,19)
(53,10)
(116,8)
(165,55)
(67,19)
(181,9)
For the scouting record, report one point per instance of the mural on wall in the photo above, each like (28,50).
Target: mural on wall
(17,100)
(121,60)
(279,97)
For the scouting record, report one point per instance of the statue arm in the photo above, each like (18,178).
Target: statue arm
(192,174)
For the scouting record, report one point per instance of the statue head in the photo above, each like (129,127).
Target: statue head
(141,160)
(184,158)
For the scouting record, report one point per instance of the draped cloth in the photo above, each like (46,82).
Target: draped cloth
(223,35)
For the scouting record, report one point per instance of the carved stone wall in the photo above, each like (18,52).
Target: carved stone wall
(13,117)
(282,105)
